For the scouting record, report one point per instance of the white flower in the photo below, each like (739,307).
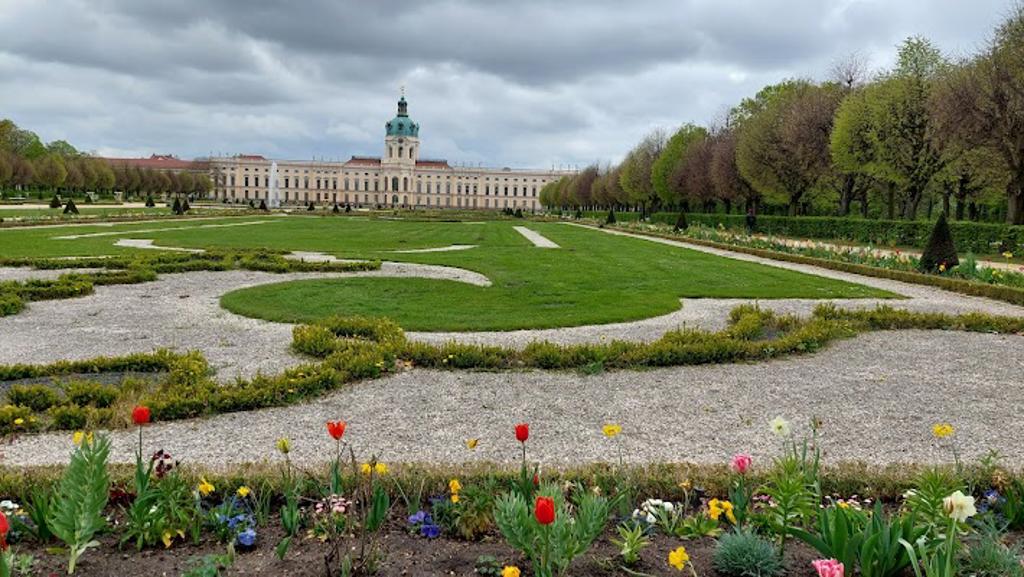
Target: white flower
(651,519)
(669,506)
(959,506)
(780,427)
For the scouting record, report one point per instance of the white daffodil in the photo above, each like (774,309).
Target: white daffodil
(959,506)
(780,427)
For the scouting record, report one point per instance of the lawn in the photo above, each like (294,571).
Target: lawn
(593,278)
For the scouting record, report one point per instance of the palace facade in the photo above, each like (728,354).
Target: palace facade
(398,178)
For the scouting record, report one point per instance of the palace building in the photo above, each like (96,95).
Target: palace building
(398,178)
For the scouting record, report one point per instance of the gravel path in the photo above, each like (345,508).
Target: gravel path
(22,274)
(701,414)
(538,239)
(179,311)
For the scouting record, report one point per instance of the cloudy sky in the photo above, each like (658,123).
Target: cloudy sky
(505,82)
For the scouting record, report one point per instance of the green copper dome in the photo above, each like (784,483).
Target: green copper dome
(402,125)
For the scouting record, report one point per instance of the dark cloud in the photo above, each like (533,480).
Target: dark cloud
(531,82)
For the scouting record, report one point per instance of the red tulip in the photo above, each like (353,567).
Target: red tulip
(336,429)
(140,415)
(544,510)
(4,528)
(522,432)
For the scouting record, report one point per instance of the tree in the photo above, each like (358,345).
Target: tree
(782,148)
(62,148)
(940,253)
(981,105)
(635,171)
(50,171)
(725,175)
(692,176)
(852,148)
(669,161)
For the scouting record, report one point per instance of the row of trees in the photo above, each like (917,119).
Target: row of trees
(26,164)
(928,133)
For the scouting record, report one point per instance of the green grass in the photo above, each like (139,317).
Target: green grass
(593,278)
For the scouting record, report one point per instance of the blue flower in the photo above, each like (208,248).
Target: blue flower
(430,531)
(247,538)
(417,517)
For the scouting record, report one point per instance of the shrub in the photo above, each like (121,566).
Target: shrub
(36,397)
(939,253)
(176,209)
(313,340)
(90,393)
(611,217)
(10,304)
(150,203)
(184,205)
(70,207)
(11,413)
(55,202)
(744,554)
(263,206)
(69,417)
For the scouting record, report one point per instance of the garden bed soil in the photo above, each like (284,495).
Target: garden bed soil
(405,555)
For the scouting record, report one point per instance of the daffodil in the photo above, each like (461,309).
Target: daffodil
(243,491)
(455,497)
(716,508)
(380,469)
(510,571)
(81,436)
(678,558)
(284,445)
(205,487)
(454,486)
(610,430)
(780,427)
(942,430)
(471,443)
(959,506)
(365,468)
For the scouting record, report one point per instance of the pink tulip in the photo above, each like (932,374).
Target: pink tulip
(829,568)
(741,463)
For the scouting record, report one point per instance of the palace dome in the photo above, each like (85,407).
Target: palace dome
(402,125)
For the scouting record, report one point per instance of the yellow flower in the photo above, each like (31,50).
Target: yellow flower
(455,497)
(678,558)
(284,445)
(471,443)
(243,491)
(510,571)
(942,430)
(454,486)
(611,430)
(79,436)
(365,468)
(942,267)
(843,505)
(716,508)
(168,538)
(380,469)
(1007,255)
(205,487)
(19,421)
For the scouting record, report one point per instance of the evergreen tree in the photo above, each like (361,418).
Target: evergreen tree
(311,207)
(336,209)
(184,205)
(176,209)
(579,214)
(681,223)
(55,202)
(348,208)
(611,217)
(940,253)
(263,206)
(70,207)
(150,203)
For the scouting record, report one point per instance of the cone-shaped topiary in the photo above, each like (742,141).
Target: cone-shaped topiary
(55,202)
(348,208)
(150,203)
(611,217)
(311,207)
(336,208)
(519,213)
(681,223)
(70,207)
(176,209)
(579,214)
(940,253)
(184,206)
(88,199)
(263,205)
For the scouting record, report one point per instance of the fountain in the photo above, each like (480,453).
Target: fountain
(273,197)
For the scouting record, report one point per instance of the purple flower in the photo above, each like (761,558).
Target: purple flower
(430,531)
(247,538)
(417,517)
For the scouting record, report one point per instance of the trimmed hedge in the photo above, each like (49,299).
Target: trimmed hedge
(976,237)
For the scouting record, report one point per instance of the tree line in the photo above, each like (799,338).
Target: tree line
(29,165)
(932,134)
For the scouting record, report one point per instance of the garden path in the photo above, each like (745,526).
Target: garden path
(878,396)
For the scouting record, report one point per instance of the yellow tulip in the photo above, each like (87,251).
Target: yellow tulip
(380,469)
(471,443)
(610,430)
(365,468)
(510,571)
(243,491)
(284,445)
(942,430)
(455,497)
(454,486)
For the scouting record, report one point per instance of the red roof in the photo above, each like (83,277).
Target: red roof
(157,161)
(363,161)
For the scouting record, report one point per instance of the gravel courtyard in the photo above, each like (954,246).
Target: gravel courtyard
(878,396)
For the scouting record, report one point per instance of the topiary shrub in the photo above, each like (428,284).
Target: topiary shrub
(519,213)
(336,208)
(10,304)
(611,217)
(55,202)
(263,206)
(681,223)
(184,206)
(578,215)
(36,397)
(311,207)
(69,417)
(89,393)
(348,208)
(88,199)
(939,254)
(176,209)
(150,203)
(70,207)
(744,554)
